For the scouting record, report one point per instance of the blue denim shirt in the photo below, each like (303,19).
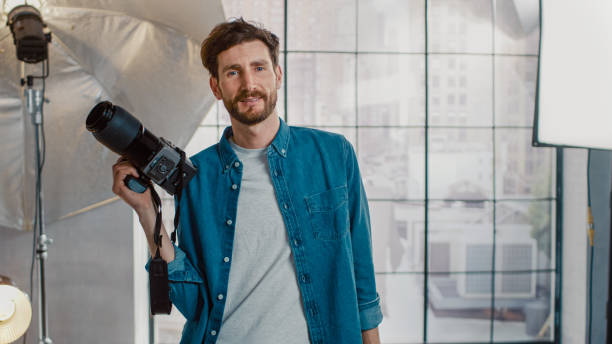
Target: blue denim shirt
(322,200)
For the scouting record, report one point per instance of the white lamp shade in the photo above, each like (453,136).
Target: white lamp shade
(15,313)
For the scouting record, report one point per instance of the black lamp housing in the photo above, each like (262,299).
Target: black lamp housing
(27,28)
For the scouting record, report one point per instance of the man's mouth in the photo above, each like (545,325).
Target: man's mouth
(250,100)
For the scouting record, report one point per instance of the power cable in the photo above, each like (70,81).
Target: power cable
(591,234)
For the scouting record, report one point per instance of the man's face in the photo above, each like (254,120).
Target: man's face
(247,82)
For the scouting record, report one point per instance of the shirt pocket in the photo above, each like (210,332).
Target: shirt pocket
(329,214)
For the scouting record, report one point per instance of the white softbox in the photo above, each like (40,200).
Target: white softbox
(575,75)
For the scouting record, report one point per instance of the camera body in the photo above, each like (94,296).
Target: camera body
(156,159)
(163,167)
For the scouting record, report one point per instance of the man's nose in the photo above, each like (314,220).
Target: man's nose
(248,80)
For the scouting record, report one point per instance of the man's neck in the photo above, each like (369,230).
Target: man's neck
(259,135)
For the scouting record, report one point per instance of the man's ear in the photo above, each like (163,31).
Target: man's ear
(279,76)
(214,86)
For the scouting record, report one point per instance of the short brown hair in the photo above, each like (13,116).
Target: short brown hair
(231,33)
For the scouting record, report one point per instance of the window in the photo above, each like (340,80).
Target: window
(463,209)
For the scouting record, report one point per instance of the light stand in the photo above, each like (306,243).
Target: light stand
(34,101)
(31,40)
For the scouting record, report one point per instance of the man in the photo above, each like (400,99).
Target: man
(283,206)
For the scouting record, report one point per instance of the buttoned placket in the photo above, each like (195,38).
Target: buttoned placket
(233,176)
(275,162)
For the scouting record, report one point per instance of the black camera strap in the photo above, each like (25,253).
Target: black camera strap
(157,237)
(159,287)
(179,193)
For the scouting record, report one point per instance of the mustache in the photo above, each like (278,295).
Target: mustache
(248,94)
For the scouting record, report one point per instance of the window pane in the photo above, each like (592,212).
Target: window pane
(391,25)
(380,100)
(517,27)
(401,298)
(280,103)
(321,25)
(203,137)
(460,164)
(524,307)
(462,26)
(460,308)
(460,236)
(392,162)
(522,171)
(321,89)
(515,86)
(460,92)
(525,233)
(269,13)
(397,236)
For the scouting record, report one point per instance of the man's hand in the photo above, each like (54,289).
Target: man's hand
(143,205)
(141,202)
(370,336)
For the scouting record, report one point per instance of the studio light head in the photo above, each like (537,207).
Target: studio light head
(29,37)
(155,158)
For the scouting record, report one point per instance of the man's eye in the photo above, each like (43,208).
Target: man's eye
(232,73)
(259,69)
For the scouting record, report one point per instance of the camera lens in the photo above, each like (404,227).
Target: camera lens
(99,116)
(113,126)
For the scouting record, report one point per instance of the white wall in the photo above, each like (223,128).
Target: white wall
(573,304)
(89,276)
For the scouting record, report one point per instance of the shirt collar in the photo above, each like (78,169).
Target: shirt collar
(280,144)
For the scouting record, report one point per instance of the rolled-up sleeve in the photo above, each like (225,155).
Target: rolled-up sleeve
(185,285)
(368,300)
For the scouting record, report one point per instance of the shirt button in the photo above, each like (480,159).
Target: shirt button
(296,242)
(283,151)
(234,186)
(226,259)
(229,222)
(285,205)
(236,164)
(276,173)
(213,332)
(220,297)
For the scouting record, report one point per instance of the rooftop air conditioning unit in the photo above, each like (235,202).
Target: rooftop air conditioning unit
(516,259)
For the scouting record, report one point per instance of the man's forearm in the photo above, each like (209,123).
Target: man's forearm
(370,336)
(147,220)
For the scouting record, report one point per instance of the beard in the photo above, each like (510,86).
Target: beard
(251,116)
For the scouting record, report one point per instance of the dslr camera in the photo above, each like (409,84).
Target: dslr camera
(155,158)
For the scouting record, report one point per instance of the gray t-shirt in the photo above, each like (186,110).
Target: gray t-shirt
(263,302)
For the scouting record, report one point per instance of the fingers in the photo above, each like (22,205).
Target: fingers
(121,169)
(141,202)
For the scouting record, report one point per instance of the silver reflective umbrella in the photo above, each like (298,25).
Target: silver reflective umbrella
(140,54)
